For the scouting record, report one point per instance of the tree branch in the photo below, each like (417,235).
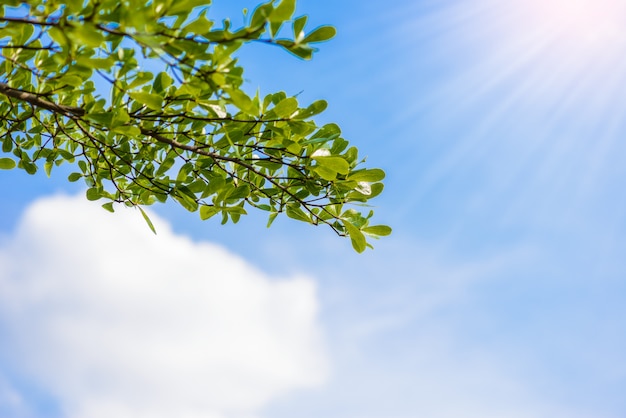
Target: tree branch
(27,21)
(37,101)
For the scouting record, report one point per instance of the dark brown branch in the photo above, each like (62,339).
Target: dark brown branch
(195,149)
(27,47)
(27,21)
(37,101)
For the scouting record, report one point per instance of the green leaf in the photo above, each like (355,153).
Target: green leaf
(87,35)
(186,198)
(12,2)
(325,173)
(93,194)
(127,130)
(185,7)
(96,63)
(58,36)
(74,5)
(151,100)
(283,11)
(243,102)
(320,139)
(239,193)
(261,14)
(71,80)
(304,52)
(215,184)
(294,212)
(315,108)
(208,211)
(74,177)
(162,81)
(47,166)
(29,167)
(120,117)
(147,219)
(271,218)
(356,236)
(199,26)
(104,119)
(165,165)
(377,188)
(7,164)
(109,206)
(377,230)
(7,145)
(238,210)
(140,79)
(285,108)
(369,175)
(336,164)
(298,28)
(321,34)
(275,27)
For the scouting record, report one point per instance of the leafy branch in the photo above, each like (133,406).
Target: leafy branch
(73,89)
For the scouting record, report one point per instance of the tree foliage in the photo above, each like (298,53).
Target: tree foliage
(146,100)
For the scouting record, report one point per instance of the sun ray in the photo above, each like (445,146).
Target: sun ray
(536,89)
(597,22)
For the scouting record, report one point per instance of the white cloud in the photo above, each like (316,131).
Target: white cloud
(114,321)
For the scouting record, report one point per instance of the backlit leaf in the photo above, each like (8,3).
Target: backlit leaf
(321,34)
(7,164)
(356,237)
(378,230)
(151,100)
(336,164)
(369,175)
(147,219)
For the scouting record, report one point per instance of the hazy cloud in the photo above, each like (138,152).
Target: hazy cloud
(114,321)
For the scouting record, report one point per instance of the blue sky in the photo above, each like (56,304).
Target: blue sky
(500,293)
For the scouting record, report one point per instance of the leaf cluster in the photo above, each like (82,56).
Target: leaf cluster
(146,100)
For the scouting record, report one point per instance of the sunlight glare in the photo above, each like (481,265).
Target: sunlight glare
(594,21)
(543,80)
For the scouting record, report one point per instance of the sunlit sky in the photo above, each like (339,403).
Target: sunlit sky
(501,293)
